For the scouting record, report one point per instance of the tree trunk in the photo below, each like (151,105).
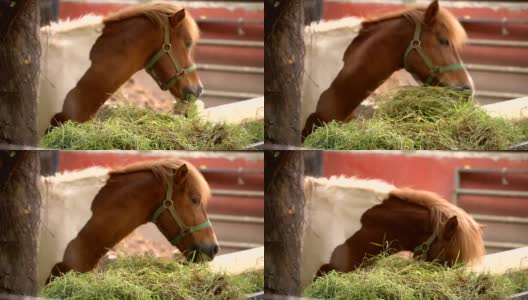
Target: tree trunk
(284,211)
(19,71)
(19,216)
(284,64)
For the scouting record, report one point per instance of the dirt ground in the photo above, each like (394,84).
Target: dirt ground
(135,94)
(136,245)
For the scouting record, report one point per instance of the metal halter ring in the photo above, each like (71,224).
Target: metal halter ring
(167,47)
(415,44)
(168,202)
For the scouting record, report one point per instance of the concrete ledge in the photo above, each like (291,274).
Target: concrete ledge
(512,109)
(503,262)
(239,262)
(236,112)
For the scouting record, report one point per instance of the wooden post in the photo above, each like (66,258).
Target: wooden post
(19,216)
(19,71)
(284,211)
(284,64)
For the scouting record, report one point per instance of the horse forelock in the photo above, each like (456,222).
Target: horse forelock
(445,21)
(154,12)
(467,240)
(163,168)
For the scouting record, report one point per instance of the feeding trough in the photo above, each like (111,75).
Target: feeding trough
(423,118)
(236,275)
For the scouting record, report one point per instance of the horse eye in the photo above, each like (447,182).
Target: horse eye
(195,201)
(188,44)
(443,42)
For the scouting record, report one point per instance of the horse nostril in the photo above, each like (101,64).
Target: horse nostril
(215,249)
(195,91)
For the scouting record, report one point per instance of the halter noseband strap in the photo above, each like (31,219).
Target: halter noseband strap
(434,70)
(168,205)
(422,250)
(166,49)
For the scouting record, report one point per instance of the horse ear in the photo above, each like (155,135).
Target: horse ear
(431,12)
(450,228)
(181,173)
(177,17)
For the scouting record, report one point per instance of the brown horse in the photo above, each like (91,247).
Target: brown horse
(349,219)
(86,213)
(424,41)
(159,37)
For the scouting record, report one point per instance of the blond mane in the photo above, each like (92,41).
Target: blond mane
(153,11)
(467,239)
(444,20)
(161,170)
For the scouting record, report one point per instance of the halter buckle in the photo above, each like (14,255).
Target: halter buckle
(415,44)
(435,71)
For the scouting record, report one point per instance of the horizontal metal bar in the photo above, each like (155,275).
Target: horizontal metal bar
(495,68)
(492,20)
(500,219)
(231,69)
(239,245)
(496,171)
(520,146)
(238,193)
(497,43)
(492,193)
(492,94)
(227,94)
(256,296)
(504,245)
(518,296)
(231,43)
(231,171)
(236,219)
(256,146)
(229,21)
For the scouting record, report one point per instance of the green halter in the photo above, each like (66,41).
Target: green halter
(422,250)
(434,70)
(168,205)
(166,49)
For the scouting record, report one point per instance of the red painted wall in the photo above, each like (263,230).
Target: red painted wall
(74,160)
(436,174)
(470,54)
(204,54)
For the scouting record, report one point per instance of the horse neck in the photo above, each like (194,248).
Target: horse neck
(126,202)
(369,63)
(123,49)
(129,201)
(332,214)
(395,223)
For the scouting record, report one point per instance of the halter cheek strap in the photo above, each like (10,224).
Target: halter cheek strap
(166,50)
(169,205)
(422,250)
(434,70)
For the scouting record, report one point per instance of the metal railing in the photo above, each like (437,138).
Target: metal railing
(497,43)
(499,95)
(240,220)
(231,69)
(231,43)
(458,190)
(495,68)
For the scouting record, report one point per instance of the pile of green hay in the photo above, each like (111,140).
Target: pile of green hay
(145,278)
(395,277)
(422,118)
(133,128)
